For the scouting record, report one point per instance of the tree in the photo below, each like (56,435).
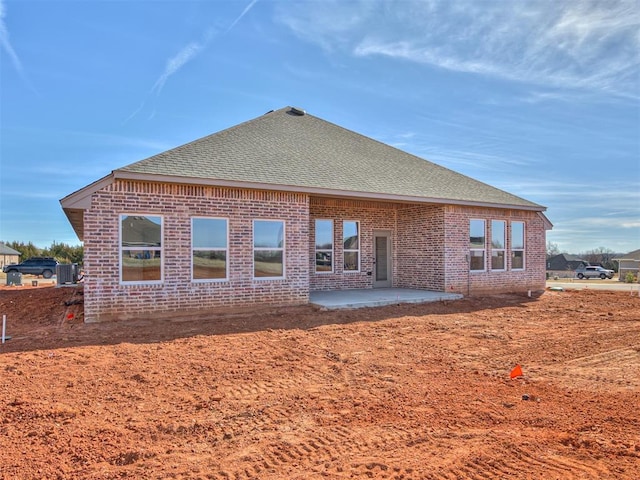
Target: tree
(27,250)
(601,256)
(552,249)
(62,252)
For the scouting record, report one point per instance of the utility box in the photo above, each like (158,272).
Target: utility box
(67,273)
(14,278)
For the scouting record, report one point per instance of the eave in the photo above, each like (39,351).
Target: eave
(80,200)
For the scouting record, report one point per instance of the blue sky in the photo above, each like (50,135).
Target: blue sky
(539,98)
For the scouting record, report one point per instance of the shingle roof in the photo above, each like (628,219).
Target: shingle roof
(635,255)
(284,148)
(5,250)
(571,258)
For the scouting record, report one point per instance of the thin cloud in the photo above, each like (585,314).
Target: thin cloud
(590,45)
(175,63)
(5,45)
(190,51)
(244,12)
(185,55)
(4,40)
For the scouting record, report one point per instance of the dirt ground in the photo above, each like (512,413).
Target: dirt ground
(398,392)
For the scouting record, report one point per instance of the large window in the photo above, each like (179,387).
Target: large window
(498,235)
(477,245)
(517,245)
(140,248)
(351,245)
(324,246)
(209,248)
(268,249)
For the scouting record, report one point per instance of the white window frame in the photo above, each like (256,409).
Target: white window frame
(258,249)
(207,249)
(122,249)
(504,245)
(351,250)
(473,249)
(324,250)
(524,245)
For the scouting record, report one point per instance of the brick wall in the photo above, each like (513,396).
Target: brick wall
(372,216)
(106,297)
(420,247)
(430,247)
(430,244)
(458,277)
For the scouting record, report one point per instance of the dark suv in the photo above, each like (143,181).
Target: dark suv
(45,266)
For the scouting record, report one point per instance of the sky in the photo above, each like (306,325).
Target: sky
(540,98)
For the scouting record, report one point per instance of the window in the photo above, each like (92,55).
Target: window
(517,245)
(209,248)
(498,232)
(324,246)
(268,249)
(476,245)
(351,245)
(140,248)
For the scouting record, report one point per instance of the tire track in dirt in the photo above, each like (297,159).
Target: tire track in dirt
(617,369)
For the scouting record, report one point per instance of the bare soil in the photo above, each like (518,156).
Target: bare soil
(398,392)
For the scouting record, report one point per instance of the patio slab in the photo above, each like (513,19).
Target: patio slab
(376,297)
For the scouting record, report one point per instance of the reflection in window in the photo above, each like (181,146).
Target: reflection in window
(268,249)
(498,228)
(324,245)
(209,248)
(517,245)
(141,248)
(477,245)
(351,245)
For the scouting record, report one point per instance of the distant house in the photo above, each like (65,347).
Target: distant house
(628,263)
(8,255)
(564,264)
(287,204)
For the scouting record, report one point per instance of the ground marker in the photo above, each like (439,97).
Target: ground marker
(516,372)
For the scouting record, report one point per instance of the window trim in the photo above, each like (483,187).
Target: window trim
(317,250)
(524,245)
(122,248)
(258,249)
(504,245)
(225,249)
(477,249)
(358,250)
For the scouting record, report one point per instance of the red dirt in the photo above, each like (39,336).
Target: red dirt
(399,392)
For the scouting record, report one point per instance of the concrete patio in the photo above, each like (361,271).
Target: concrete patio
(376,297)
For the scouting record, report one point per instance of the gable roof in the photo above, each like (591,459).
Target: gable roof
(5,250)
(571,258)
(635,255)
(290,150)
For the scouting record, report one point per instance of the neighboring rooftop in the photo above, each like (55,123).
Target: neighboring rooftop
(5,250)
(635,255)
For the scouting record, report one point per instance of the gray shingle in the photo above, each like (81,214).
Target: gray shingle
(284,149)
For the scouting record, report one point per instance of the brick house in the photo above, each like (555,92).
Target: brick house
(628,263)
(287,204)
(564,265)
(8,255)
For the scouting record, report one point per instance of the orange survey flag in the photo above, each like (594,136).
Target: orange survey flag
(516,372)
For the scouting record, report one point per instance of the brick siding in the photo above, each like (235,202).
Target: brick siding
(458,277)
(372,216)
(107,298)
(430,246)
